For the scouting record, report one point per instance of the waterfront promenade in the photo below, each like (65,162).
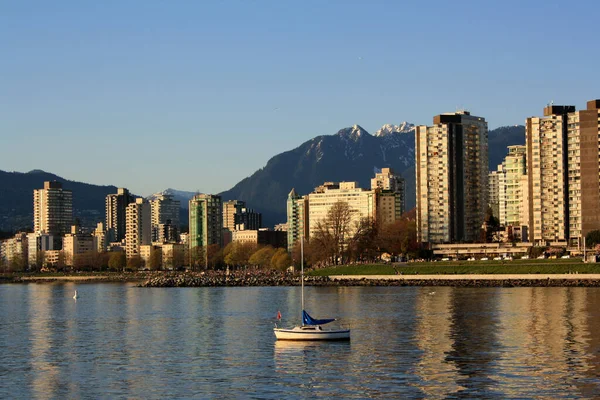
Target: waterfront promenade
(479,277)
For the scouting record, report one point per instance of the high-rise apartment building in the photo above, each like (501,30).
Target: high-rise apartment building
(388,206)
(116,206)
(390,190)
(511,188)
(494,191)
(583,164)
(206,220)
(546,141)
(138,230)
(52,209)
(451,178)
(230,209)
(165,218)
(297,219)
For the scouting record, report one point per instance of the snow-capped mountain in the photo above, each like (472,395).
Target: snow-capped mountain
(349,155)
(181,195)
(389,129)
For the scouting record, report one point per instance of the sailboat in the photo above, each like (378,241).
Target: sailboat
(311,328)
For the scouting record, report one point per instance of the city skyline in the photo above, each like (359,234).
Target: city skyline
(150,82)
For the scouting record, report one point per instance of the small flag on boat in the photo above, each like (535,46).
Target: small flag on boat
(278,315)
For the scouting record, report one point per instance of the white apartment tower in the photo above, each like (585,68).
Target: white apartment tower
(546,141)
(494,191)
(165,217)
(138,230)
(511,190)
(52,209)
(451,178)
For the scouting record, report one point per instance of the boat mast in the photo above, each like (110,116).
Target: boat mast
(302,273)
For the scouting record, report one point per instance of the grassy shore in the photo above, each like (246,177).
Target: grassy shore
(559,266)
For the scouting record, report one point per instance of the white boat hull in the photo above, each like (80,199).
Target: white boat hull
(311,333)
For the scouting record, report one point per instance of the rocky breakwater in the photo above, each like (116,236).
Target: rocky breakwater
(217,278)
(272,278)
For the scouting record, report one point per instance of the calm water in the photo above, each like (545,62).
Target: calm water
(119,341)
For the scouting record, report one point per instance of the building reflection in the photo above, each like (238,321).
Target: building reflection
(45,332)
(545,334)
(590,386)
(433,334)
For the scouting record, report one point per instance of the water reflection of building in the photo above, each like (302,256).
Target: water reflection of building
(474,321)
(433,338)
(44,373)
(548,340)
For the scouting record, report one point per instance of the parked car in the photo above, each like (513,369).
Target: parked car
(566,256)
(525,258)
(484,259)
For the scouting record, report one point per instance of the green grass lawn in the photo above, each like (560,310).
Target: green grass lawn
(559,266)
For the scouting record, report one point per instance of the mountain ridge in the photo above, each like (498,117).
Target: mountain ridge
(350,154)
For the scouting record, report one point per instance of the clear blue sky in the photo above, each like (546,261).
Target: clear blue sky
(197,95)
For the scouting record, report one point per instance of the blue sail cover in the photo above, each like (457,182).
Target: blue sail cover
(308,320)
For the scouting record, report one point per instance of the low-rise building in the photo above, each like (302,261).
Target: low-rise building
(38,243)
(481,250)
(76,243)
(261,237)
(173,255)
(14,251)
(53,258)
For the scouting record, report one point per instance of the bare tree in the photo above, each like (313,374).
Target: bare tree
(332,233)
(363,244)
(399,237)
